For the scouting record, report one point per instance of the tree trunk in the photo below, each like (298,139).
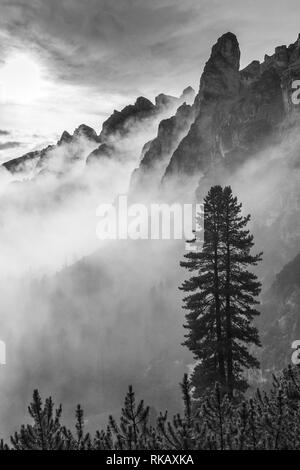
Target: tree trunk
(230,380)
(220,352)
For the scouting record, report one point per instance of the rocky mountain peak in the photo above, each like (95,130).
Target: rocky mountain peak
(86,131)
(251,72)
(143,104)
(220,78)
(187,91)
(65,138)
(283,58)
(156,154)
(236,112)
(227,49)
(119,122)
(163,100)
(104,151)
(188,95)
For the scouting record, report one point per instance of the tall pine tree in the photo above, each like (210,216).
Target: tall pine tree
(222,296)
(240,291)
(204,321)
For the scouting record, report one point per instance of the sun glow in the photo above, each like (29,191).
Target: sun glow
(20,80)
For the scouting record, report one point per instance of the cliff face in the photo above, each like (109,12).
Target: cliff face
(157,153)
(68,149)
(128,123)
(121,121)
(26,163)
(132,120)
(235,114)
(236,111)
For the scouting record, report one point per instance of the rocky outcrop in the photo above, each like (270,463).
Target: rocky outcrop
(236,112)
(158,152)
(100,153)
(119,125)
(132,119)
(120,122)
(86,131)
(162,101)
(219,88)
(26,163)
(188,95)
(165,101)
(65,138)
(70,145)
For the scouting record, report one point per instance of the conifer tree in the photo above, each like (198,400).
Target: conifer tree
(132,431)
(180,433)
(46,432)
(240,290)
(204,320)
(267,421)
(81,440)
(222,296)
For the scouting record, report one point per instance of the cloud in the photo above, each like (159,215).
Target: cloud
(9,145)
(105,44)
(124,46)
(2,132)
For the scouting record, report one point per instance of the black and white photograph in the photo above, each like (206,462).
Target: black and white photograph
(149,227)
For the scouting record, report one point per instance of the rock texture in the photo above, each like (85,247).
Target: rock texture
(26,163)
(236,112)
(119,125)
(100,153)
(120,122)
(86,131)
(65,138)
(132,119)
(157,153)
(34,162)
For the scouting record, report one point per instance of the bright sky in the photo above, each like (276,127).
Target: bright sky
(65,62)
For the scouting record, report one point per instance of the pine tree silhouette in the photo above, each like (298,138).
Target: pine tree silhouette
(239,291)
(81,440)
(46,433)
(132,431)
(204,321)
(179,434)
(267,421)
(222,297)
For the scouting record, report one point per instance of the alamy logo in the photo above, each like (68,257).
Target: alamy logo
(296,353)
(2,353)
(151,222)
(296,93)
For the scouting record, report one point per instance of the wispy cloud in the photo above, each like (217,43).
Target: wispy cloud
(9,145)
(123,46)
(105,44)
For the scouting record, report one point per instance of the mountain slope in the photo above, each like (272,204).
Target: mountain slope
(280,319)
(237,112)
(133,120)
(157,155)
(46,159)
